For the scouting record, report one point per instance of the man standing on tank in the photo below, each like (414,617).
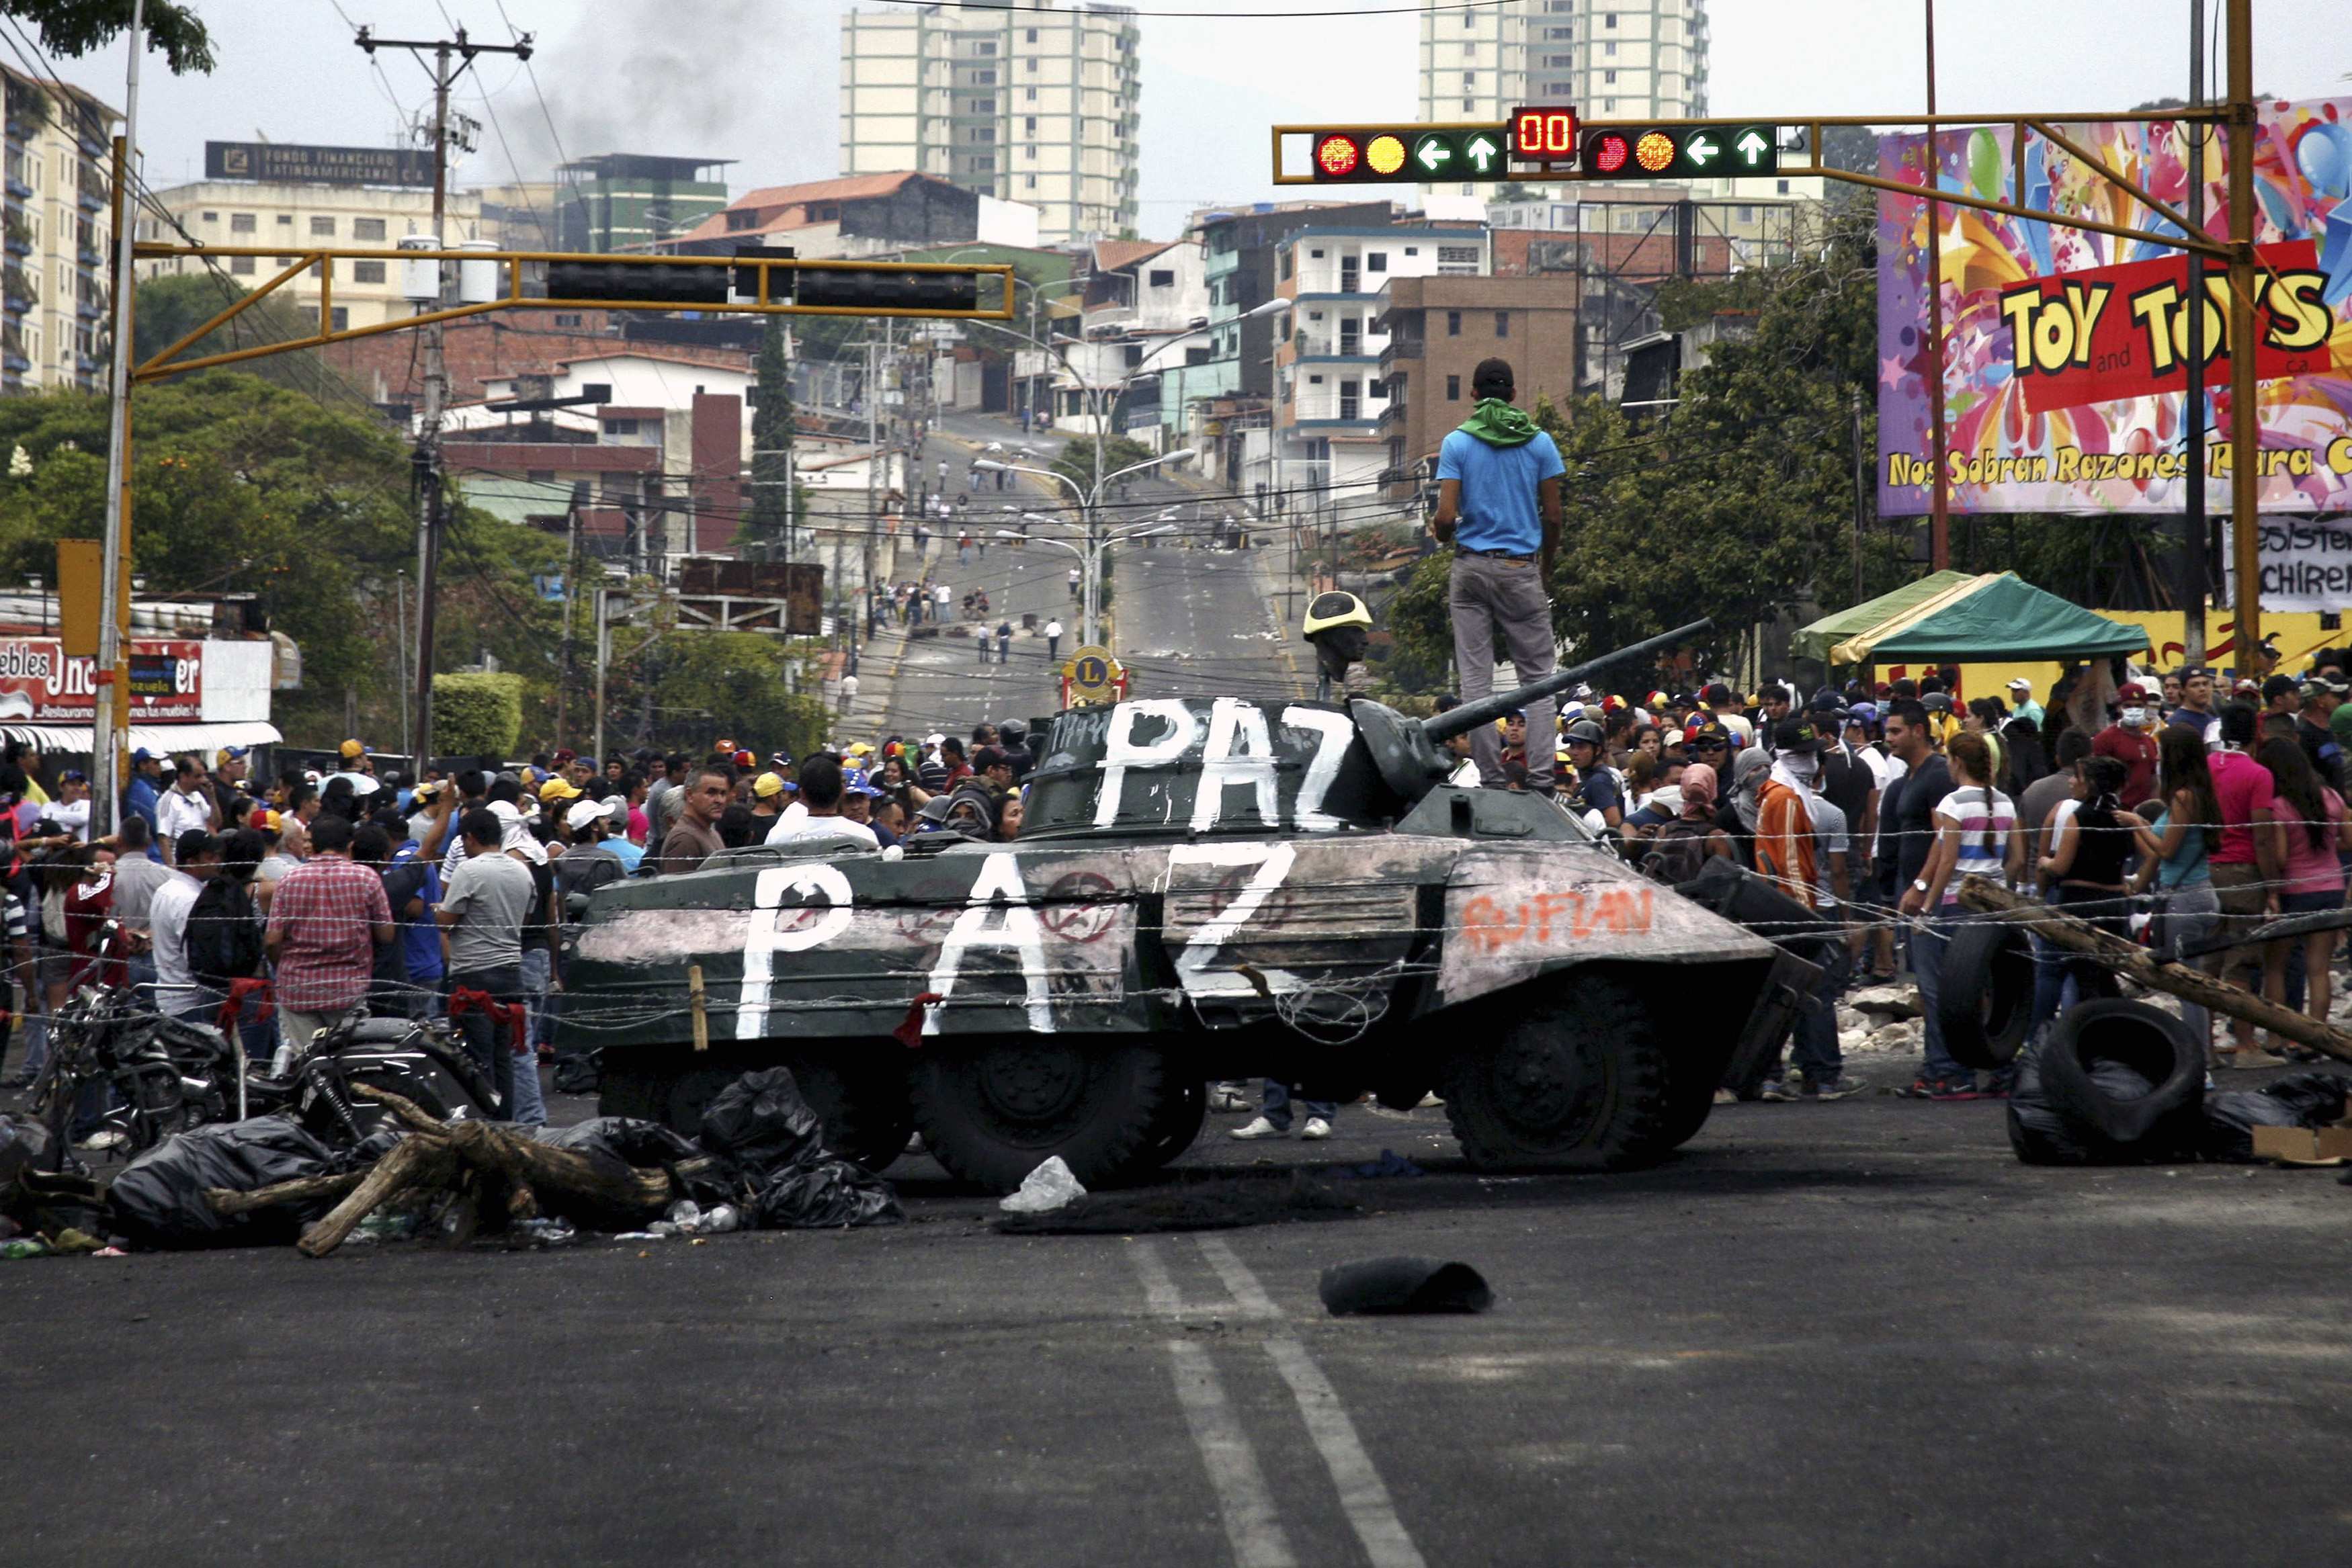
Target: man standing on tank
(1498,484)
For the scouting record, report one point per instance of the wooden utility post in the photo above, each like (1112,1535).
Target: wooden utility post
(2246,437)
(428,455)
(2194,543)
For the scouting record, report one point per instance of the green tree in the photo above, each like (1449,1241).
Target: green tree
(75,27)
(1077,459)
(166,309)
(771,442)
(238,486)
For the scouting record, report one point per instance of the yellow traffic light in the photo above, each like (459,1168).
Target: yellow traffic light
(1385,154)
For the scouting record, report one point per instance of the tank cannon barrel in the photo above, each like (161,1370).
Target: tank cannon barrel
(1470,716)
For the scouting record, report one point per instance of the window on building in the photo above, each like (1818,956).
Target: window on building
(367,272)
(1164,278)
(984,78)
(1285,264)
(1030,95)
(570,318)
(988,49)
(1412,250)
(286,220)
(1609,79)
(340,320)
(1784,187)
(1454,323)
(1745,214)
(367,228)
(1558,90)
(1134,355)
(1031,183)
(1609,18)
(1502,323)
(1033,35)
(1453,389)
(1315,381)
(212,217)
(1030,124)
(242,266)
(1377,261)
(1456,254)
(620,427)
(322,229)
(539,475)
(241,223)
(1469,106)
(1469,80)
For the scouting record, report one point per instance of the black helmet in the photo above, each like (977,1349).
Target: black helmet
(1585,730)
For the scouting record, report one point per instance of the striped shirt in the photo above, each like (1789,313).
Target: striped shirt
(1985,818)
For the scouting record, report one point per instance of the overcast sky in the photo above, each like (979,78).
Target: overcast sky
(755,80)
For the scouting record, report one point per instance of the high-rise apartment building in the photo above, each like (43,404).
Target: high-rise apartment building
(54,319)
(1036,106)
(1623,59)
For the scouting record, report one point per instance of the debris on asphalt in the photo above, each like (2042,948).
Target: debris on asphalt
(2286,1120)
(1215,1203)
(1050,1186)
(1888,1001)
(1390,1164)
(1401,1285)
(160,1200)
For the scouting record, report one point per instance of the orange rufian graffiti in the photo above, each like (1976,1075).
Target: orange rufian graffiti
(1489,925)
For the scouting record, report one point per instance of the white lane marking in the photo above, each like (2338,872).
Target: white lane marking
(1158,1290)
(1243,1499)
(1247,1293)
(1362,1492)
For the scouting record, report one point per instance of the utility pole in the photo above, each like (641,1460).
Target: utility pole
(2246,437)
(110,704)
(2193,541)
(427,459)
(1939,503)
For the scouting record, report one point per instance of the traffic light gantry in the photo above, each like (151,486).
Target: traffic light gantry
(1546,143)
(762,281)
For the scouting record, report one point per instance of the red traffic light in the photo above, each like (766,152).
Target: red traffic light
(1607,153)
(1336,156)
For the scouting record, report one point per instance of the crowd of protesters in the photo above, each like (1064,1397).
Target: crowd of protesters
(2185,810)
(275,909)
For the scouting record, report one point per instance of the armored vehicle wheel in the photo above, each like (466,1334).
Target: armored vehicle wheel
(864,1106)
(1180,1115)
(992,1111)
(1572,1083)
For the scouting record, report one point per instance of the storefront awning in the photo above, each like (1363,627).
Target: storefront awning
(73,739)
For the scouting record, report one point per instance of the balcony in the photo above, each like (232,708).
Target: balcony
(19,293)
(91,191)
(16,184)
(19,238)
(1399,348)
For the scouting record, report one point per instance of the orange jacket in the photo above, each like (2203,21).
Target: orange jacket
(1784,841)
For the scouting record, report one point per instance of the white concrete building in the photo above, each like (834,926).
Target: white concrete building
(351,217)
(1328,397)
(1038,106)
(1145,323)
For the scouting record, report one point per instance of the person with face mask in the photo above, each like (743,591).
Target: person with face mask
(1784,818)
(2131,740)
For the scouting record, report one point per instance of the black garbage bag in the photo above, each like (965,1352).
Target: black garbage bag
(616,1144)
(824,1195)
(579,1071)
(760,1122)
(2317,1098)
(23,1142)
(2230,1120)
(159,1199)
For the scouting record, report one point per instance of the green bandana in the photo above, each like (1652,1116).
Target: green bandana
(1498,424)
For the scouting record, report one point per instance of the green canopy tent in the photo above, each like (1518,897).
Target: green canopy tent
(1953,618)
(1814,642)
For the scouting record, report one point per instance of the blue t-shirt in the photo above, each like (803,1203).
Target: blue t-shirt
(1599,792)
(631,856)
(1498,490)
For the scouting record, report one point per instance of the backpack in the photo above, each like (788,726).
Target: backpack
(1678,853)
(223,942)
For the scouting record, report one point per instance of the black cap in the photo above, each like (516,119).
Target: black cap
(2277,686)
(1493,378)
(1793,734)
(1826,702)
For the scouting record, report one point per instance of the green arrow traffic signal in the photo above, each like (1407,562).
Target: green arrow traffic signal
(1483,152)
(1755,150)
(1701,148)
(1433,153)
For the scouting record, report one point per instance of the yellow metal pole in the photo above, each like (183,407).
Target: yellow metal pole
(2245,454)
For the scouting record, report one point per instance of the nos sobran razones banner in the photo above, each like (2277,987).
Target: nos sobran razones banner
(2065,364)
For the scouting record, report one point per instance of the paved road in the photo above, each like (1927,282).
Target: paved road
(1823,1334)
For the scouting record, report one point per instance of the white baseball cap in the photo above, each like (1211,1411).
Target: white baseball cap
(2020,684)
(581,813)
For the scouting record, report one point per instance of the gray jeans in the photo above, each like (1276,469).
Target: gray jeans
(2191,915)
(1487,592)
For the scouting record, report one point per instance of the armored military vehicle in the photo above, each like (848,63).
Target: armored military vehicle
(1204,888)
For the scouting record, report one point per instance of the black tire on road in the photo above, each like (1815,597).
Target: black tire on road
(1572,1083)
(1985,1002)
(992,1111)
(2152,1043)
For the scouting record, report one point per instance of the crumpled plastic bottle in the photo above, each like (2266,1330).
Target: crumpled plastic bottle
(686,1214)
(722,1219)
(24,1248)
(545,1233)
